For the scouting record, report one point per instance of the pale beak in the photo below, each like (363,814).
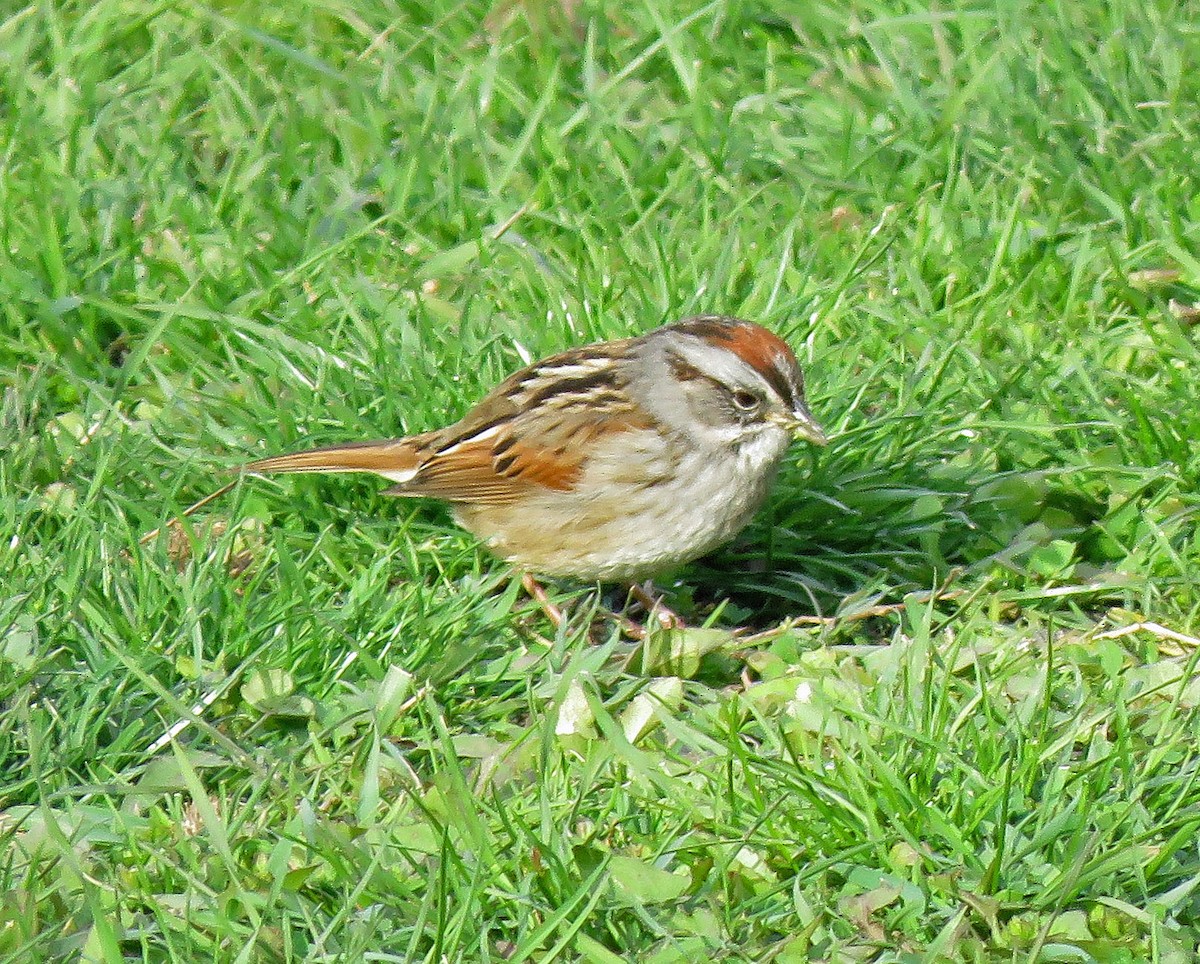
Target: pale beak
(802,425)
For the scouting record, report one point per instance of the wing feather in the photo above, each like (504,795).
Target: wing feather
(501,467)
(535,431)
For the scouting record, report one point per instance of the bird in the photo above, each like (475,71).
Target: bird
(609,462)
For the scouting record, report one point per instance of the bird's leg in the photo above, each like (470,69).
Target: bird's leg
(538,595)
(649,600)
(644,596)
(554,613)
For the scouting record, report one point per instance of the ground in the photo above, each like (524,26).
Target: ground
(960,719)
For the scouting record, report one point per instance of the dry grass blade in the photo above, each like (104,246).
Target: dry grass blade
(189,511)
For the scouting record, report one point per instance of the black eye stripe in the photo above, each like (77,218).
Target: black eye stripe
(781,384)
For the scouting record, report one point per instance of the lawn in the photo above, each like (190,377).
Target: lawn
(939,703)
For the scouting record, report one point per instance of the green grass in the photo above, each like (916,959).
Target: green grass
(229,231)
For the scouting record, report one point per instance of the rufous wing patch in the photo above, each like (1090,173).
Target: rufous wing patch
(498,469)
(557,468)
(493,472)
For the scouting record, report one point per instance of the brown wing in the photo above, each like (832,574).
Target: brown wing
(536,430)
(497,466)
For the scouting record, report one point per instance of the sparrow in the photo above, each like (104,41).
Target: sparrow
(609,462)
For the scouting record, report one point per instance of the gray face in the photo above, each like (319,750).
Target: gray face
(718,395)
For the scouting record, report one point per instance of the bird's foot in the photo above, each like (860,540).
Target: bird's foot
(651,601)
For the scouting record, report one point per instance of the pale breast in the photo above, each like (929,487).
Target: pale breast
(640,507)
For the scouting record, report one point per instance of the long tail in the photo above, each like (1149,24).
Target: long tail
(397,460)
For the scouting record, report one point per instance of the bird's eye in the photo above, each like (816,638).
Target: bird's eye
(746,401)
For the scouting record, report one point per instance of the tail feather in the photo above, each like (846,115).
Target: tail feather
(397,460)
